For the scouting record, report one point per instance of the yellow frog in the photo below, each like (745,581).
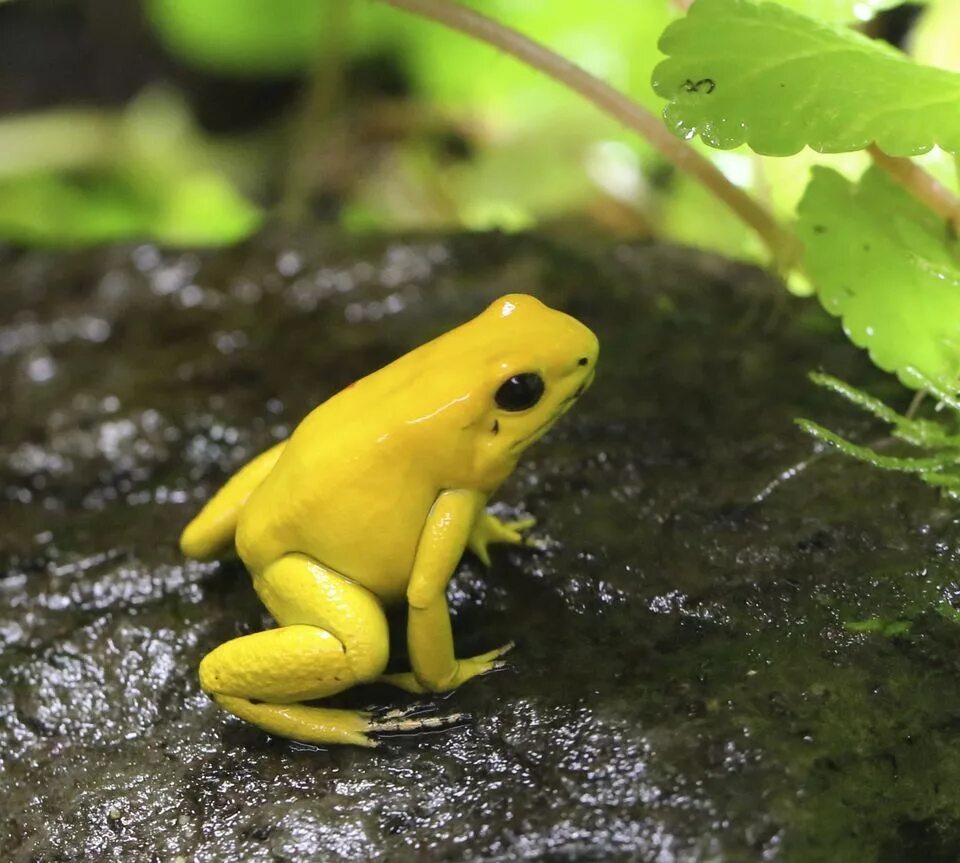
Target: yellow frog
(372,500)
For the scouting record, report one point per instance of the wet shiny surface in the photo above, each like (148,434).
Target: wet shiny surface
(685,687)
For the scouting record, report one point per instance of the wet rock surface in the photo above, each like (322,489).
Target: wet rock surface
(689,683)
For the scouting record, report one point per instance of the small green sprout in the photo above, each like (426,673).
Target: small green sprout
(938,463)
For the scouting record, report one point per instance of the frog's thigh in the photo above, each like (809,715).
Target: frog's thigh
(332,635)
(298,590)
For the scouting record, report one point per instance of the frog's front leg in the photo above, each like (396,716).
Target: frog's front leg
(488,529)
(332,635)
(429,634)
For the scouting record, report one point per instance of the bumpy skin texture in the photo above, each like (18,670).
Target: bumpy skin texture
(372,500)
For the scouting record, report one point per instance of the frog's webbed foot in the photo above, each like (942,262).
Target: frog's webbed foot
(323,725)
(488,529)
(466,669)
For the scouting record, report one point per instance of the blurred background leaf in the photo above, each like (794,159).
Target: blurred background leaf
(73,177)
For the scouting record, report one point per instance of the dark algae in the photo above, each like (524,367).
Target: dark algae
(730,649)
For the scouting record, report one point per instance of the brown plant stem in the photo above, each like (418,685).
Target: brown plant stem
(783,246)
(315,114)
(922,185)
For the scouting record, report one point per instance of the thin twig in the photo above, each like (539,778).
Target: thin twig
(783,246)
(915,403)
(922,185)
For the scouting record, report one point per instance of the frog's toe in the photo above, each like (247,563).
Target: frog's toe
(415,719)
(492,657)
(482,551)
(520,525)
(485,663)
(511,532)
(497,652)
(491,531)
(417,709)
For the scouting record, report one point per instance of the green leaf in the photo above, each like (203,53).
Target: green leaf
(880,626)
(880,260)
(946,610)
(54,210)
(46,209)
(740,71)
(203,209)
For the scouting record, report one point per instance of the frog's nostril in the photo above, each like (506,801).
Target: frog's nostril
(583,361)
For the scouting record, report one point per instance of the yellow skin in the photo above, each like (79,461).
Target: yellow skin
(373,500)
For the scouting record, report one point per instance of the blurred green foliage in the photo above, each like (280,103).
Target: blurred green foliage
(243,37)
(78,177)
(532,152)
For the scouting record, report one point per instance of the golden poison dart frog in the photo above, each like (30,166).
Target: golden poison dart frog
(372,500)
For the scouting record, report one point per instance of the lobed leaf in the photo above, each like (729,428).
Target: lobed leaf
(741,71)
(883,263)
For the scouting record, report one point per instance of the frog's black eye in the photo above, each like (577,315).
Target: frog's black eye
(520,392)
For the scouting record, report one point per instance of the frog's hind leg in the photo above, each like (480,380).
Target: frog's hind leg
(332,635)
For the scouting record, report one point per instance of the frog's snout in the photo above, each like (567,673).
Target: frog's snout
(589,351)
(587,360)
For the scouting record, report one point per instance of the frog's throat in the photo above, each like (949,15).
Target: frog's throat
(541,430)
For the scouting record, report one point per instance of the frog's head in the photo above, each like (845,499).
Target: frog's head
(536,362)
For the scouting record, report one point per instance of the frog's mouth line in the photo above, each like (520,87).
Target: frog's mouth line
(565,405)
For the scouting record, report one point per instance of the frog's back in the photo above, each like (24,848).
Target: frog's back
(352,489)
